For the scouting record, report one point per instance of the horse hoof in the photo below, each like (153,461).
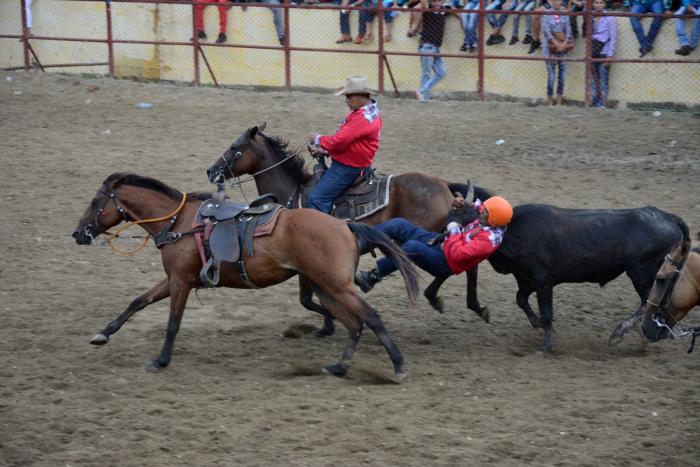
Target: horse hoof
(324,332)
(99,339)
(335,370)
(437,304)
(153,367)
(485,315)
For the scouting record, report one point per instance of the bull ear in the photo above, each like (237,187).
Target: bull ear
(469,199)
(262,127)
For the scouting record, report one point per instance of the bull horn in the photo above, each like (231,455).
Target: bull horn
(469,199)
(261,127)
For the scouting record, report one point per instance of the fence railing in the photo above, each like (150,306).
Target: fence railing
(295,43)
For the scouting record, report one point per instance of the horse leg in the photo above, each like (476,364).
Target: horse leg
(642,281)
(375,323)
(179,291)
(472,299)
(306,299)
(158,292)
(340,369)
(431,293)
(544,298)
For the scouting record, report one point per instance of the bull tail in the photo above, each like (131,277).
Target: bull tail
(369,237)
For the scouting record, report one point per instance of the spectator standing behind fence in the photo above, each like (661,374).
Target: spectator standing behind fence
(432,67)
(223,18)
(646,41)
(556,30)
(689,7)
(603,43)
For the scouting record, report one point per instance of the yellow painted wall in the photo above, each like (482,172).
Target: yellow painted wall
(315,28)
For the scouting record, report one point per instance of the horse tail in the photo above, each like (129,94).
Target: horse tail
(479,193)
(369,237)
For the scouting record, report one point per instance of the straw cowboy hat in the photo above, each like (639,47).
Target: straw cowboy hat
(355,85)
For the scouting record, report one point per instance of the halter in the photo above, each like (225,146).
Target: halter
(113,196)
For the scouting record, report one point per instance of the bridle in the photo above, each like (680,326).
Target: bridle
(662,313)
(112,195)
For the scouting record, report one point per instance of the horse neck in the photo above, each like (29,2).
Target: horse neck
(276,180)
(143,204)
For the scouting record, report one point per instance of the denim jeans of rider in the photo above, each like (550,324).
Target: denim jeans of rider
(336,180)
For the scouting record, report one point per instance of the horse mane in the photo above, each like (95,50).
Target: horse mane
(118,179)
(295,165)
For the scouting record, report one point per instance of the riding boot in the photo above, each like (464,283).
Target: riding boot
(367,279)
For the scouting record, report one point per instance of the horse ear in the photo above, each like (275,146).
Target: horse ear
(252,132)
(262,127)
(685,247)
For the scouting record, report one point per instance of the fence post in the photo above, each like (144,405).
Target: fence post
(110,44)
(588,19)
(380,33)
(195,44)
(25,46)
(287,52)
(480,54)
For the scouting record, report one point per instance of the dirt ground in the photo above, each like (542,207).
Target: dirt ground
(237,391)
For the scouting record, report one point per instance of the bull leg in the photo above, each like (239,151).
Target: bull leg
(306,299)
(178,299)
(544,299)
(642,281)
(431,293)
(158,292)
(625,325)
(525,289)
(472,299)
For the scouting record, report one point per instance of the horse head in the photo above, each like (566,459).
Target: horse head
(660,316)
(104,212)
(240,158)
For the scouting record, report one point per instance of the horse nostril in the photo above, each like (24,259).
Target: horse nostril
(76,234)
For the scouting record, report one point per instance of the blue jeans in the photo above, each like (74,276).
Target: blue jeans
(432,69)
(413,240)
(599,83)
(276,17)
(552,74)
(657,6)
(694,29)
(336,180)
(498,5)
(469,23)
(524,5)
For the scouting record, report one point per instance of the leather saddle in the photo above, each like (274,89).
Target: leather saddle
(228,231)
(368,194)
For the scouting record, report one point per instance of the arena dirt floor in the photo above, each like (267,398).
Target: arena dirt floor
(240,393)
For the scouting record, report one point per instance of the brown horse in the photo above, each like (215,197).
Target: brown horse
(675,292)
(422,199)
(322,250)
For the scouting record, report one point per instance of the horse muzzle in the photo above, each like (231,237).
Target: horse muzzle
(83,235)
(653,332)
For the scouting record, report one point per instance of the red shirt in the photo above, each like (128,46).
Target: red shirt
(471,246)
(357,140)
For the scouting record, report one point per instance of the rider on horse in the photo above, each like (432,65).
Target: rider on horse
(462,249)
(352,147)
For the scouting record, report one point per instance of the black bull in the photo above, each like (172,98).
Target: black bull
(545,246)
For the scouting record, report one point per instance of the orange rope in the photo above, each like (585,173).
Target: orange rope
(143,221)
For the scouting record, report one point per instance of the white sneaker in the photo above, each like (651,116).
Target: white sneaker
(420,96)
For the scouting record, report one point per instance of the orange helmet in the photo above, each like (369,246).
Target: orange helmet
(500,211)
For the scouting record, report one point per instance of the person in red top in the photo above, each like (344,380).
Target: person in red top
(462,248)
(352,147)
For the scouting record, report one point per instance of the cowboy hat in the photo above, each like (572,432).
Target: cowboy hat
(355,85)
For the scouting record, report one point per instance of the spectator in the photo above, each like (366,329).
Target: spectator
(470,22)
(277,19)
(28,14)
(644,6)
(199,19)
(345,34)
(432,68)
(576,6)
(415,24)
(367,16)
(689,7)
(603,46)
(556,30)
(524,5)
(496,23)
(536,22)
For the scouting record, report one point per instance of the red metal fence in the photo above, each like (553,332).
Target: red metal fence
(384,70)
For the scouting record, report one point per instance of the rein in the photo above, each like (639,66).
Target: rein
(172,216)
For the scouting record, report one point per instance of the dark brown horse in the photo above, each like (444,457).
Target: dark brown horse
(322,250)
(675,292)
(422,199)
